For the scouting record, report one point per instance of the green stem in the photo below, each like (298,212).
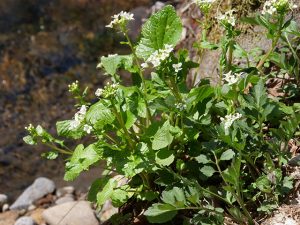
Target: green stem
(274,44)
(122,124)
(60,150)
(175,89)
(141,76)
(237,195)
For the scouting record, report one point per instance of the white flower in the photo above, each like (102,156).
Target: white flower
(159,56)
(144,65)
(74,124)
(232,78)
(74,86)
(99,92)
(181,106)
(120,18)
(229,119)
(227,18)
(274,6)
(87,128)
(177,67)
(83,109)
(78,118)
(30,127)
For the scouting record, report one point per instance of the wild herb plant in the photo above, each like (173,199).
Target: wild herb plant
(191,155)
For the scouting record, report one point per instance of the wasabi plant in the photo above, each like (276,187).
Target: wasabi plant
(185,155)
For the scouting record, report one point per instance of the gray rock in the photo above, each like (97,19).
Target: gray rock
(3,199)
(41,187)
(70,213)
(26,220)
(60,192)
(64,200)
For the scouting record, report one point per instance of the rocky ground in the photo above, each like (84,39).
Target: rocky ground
(43,203)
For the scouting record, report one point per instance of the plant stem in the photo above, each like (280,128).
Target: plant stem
(122,124)
(237,195)
(141,76)
(60,150)
(274,43)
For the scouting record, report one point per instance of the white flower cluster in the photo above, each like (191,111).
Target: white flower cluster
(74,86)
(232,78)
(274,6)
(120,19)
(109,90)
(78,118)
(30,128)
(229,119)
(227,18)
(87,128)
(158,56)
(181,106)
(204,5)
(177,67)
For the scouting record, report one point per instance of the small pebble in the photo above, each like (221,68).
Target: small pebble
(31,207)
(64,191)
(5,207)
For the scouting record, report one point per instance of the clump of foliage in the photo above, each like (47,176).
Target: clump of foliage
(189,154)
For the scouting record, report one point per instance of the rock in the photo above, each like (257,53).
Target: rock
(31,207)
(3,199)
(70,213)
(5,207)
(107,211)
(41,187)
(8,218)
(26,220)
(65,190)
(36,215)
(64,200)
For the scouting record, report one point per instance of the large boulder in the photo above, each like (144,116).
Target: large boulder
(71,213)
(40,187)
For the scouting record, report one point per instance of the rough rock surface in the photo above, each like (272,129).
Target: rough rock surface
(41,187)
(26,220)
(71,213)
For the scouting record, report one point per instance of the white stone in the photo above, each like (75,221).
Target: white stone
(41,187)
(70,213)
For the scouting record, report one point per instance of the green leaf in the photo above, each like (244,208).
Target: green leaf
(174,197)
(160,213)
(164,157)
(94,189)
(106,192)
(119,197)
(198,94)
(202,159)
(81,160)
(163,137)
(99,115)
(227,155)
(113,62)
(63,129)
(164,27)
(207,171)
(50,155)
(29,140)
